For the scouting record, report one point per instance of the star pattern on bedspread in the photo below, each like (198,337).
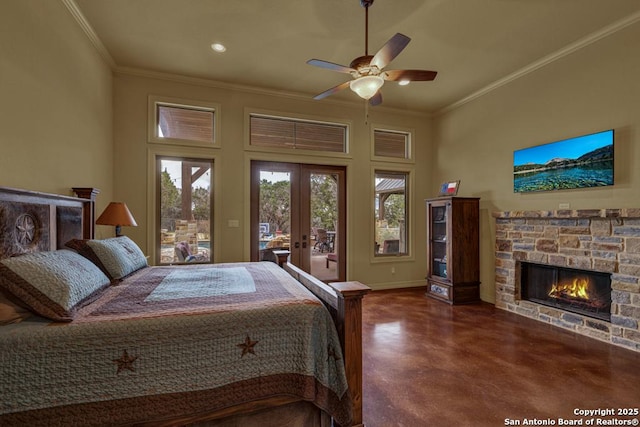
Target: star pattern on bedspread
(247,346)
(125,362)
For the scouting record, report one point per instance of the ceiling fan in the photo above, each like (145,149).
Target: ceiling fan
(367,71)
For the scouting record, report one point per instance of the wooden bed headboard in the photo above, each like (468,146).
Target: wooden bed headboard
(31,221)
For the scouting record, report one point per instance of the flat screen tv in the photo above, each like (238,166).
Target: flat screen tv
(584,161)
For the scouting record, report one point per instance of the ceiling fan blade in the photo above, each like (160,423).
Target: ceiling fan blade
(411,75)
(390,50)
(376,99)
(332,90)
(330,66)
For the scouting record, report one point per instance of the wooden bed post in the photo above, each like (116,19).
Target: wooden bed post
(349,322)
(344,301)
(89,215)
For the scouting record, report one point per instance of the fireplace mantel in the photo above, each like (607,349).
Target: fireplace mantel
(572,213)
(606,240)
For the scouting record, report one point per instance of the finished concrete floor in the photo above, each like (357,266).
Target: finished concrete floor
(430,364)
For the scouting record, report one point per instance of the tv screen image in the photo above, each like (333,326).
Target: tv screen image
(584,161)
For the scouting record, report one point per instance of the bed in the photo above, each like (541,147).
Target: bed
(108,340)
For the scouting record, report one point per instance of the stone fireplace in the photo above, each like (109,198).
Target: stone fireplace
(605,242)
(579,291)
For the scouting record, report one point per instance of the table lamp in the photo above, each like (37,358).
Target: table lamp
(118,214)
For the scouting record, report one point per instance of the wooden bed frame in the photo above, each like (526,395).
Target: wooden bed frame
(33,221)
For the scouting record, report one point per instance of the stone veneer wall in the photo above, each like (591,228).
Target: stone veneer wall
(606,240)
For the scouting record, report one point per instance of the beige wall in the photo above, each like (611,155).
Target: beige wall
(593,89)
(65,121)
(231,168)
(56,109)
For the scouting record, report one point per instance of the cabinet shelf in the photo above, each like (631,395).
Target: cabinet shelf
(453,247)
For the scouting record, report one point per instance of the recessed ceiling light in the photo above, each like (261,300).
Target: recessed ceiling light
(218,47)
(404,82)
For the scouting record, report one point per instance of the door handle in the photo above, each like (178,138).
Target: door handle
(304,245)
(296,245)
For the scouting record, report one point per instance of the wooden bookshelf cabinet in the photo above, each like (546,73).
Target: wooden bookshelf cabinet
(453,249)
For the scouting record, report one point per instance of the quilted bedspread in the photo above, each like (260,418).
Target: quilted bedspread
(171,341)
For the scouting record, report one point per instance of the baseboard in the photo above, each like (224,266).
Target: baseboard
(396,285)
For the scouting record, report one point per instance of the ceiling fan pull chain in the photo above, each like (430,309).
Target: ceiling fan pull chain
(366,112)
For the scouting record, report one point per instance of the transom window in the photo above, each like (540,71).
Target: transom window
(177,122)
(391,144)
(184,122)
(282,132)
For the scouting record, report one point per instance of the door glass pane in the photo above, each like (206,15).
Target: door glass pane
(275,211)
(390,213)
(296,208)
(324,225)
(185,211)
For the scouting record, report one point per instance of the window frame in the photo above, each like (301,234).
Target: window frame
(409,214)
(153,190)
(152,120)
(249,112)
(393,129)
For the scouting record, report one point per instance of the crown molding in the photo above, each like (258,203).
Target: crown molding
(546,60)
(199,81)
(72,7)
(542,62)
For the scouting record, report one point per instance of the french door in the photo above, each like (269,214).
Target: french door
(300,208)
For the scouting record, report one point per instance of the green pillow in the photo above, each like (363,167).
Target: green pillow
(53,284)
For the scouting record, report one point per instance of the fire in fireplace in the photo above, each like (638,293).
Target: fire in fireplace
(579,291)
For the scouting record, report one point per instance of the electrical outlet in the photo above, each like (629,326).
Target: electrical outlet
(393,270)
(233,223)
(564,206)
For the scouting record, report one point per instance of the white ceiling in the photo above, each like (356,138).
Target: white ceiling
(475,45)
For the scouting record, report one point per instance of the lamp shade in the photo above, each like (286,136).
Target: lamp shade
(118,214)
(366,86)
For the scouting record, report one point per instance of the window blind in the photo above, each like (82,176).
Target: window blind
(185,123)
(283,132)
(391,144)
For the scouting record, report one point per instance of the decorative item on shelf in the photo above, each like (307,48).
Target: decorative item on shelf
(118,214)
(449,188)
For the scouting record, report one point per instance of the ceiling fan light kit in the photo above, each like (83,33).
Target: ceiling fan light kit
(367,71)
(366,86)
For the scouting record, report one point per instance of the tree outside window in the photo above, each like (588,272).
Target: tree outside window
(185,210)
(390,213)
